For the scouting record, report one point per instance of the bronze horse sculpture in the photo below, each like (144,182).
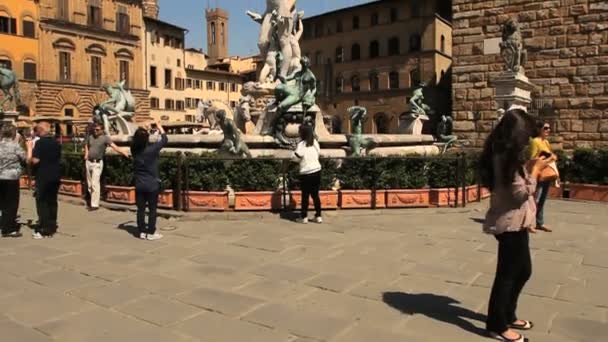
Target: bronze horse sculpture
(10,88)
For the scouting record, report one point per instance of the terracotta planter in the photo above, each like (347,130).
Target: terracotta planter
(329,200)
(473,193)
(445,197)
(120,194)
(203,200)
(407,198)
(70,188)
(165,199)
(257,200)
(589,192)
(556,193)
(24,182)
(361,199)
(485,193)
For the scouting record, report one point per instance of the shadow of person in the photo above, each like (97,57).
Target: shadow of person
(130,228)
(441,308)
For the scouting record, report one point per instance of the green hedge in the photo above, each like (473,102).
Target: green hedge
(118,171)
(254,174)
(589,166)
(72,166)
(205,173)
(402,173)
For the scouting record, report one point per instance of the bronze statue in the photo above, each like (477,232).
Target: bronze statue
(233,142)
(119,107)
(10,87)
(512,46)
(417,106)
(444,132)
(356,141)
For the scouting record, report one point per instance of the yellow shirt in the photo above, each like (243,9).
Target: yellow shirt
(538,145)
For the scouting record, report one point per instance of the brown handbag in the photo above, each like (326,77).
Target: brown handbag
(549,173)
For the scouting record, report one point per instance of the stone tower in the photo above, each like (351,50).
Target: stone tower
(150,8)
(217,33)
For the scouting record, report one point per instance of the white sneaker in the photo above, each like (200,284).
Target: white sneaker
(302,220)
(318,219)
(37,236)
(155,236)
(143,236)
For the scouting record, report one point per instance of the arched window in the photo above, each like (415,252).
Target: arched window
(374,49)
(355,83)
(355,23)
(29,69)
(393,46)
(415,42)
(414,77)
(6,63)
(393,80)
(374,81)
(223,33)
(442,48)
(382,123)
(213,33)
(339,84)
(374,19)
(339,54)
(318,58)
(355,52)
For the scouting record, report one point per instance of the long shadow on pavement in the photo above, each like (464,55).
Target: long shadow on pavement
(441,308)
(130,228)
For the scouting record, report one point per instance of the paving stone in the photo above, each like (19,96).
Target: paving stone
(12,331)
(263,242)
(158,284)
(363,334)
(332,282)
(591,293)
(23,267)
(158,310)
(369,290)
(64,281)
(579,329)
(283,272)
(101,325)
(299,322)
(274,290)
(211,327)
(108,295)
(231,304)
(536,286)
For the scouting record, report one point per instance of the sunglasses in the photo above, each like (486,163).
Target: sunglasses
(547,128)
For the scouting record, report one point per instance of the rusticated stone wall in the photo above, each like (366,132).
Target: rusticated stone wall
(567,43)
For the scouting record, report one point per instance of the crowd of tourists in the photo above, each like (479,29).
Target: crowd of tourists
(517,164)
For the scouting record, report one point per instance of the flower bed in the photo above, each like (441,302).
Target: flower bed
(165,199)
(206,200)
(362,199)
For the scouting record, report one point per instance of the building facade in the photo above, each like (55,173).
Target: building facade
(87,44)
(19,45)
(372,55)
(567,44)
(165,71)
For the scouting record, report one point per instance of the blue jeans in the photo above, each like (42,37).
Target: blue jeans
(542,191)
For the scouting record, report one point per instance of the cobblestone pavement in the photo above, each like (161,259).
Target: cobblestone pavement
(413,275)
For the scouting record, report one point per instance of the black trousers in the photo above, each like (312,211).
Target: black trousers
(310,188)
(46,206)
(513,270)
(146,199)
(9,205)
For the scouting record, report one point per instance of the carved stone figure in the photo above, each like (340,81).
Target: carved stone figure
(302,91)
(116,111)
(444,132)
(512,47)
(356,141)
(10,88)
(233,142)
(298,30)
(417,106)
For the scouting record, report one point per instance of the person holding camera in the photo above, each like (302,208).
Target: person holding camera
(540,147)
(147,182)
(94,152)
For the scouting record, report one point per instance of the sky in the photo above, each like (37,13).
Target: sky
(243,32)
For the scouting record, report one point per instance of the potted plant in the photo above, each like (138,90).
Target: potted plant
(255,183)
(589,175)
(118,177)
(72,172)
(328,196)
(405,182)
(442,178)
(359,184)
(207,183)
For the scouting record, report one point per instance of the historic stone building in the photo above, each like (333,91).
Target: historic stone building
(86,44)
(567,43)
(373,54)
(165,72)
(19,47)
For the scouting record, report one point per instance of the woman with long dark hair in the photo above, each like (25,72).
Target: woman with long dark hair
(147,182)
(307,154)
(540,146)
(506,169)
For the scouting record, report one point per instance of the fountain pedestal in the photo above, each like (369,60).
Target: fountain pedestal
(412,124)
(8,117)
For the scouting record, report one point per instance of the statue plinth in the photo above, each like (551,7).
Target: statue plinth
(412,124)
(513,90)
(8,117)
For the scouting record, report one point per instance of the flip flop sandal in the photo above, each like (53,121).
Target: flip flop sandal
(500,337)
(526,326)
